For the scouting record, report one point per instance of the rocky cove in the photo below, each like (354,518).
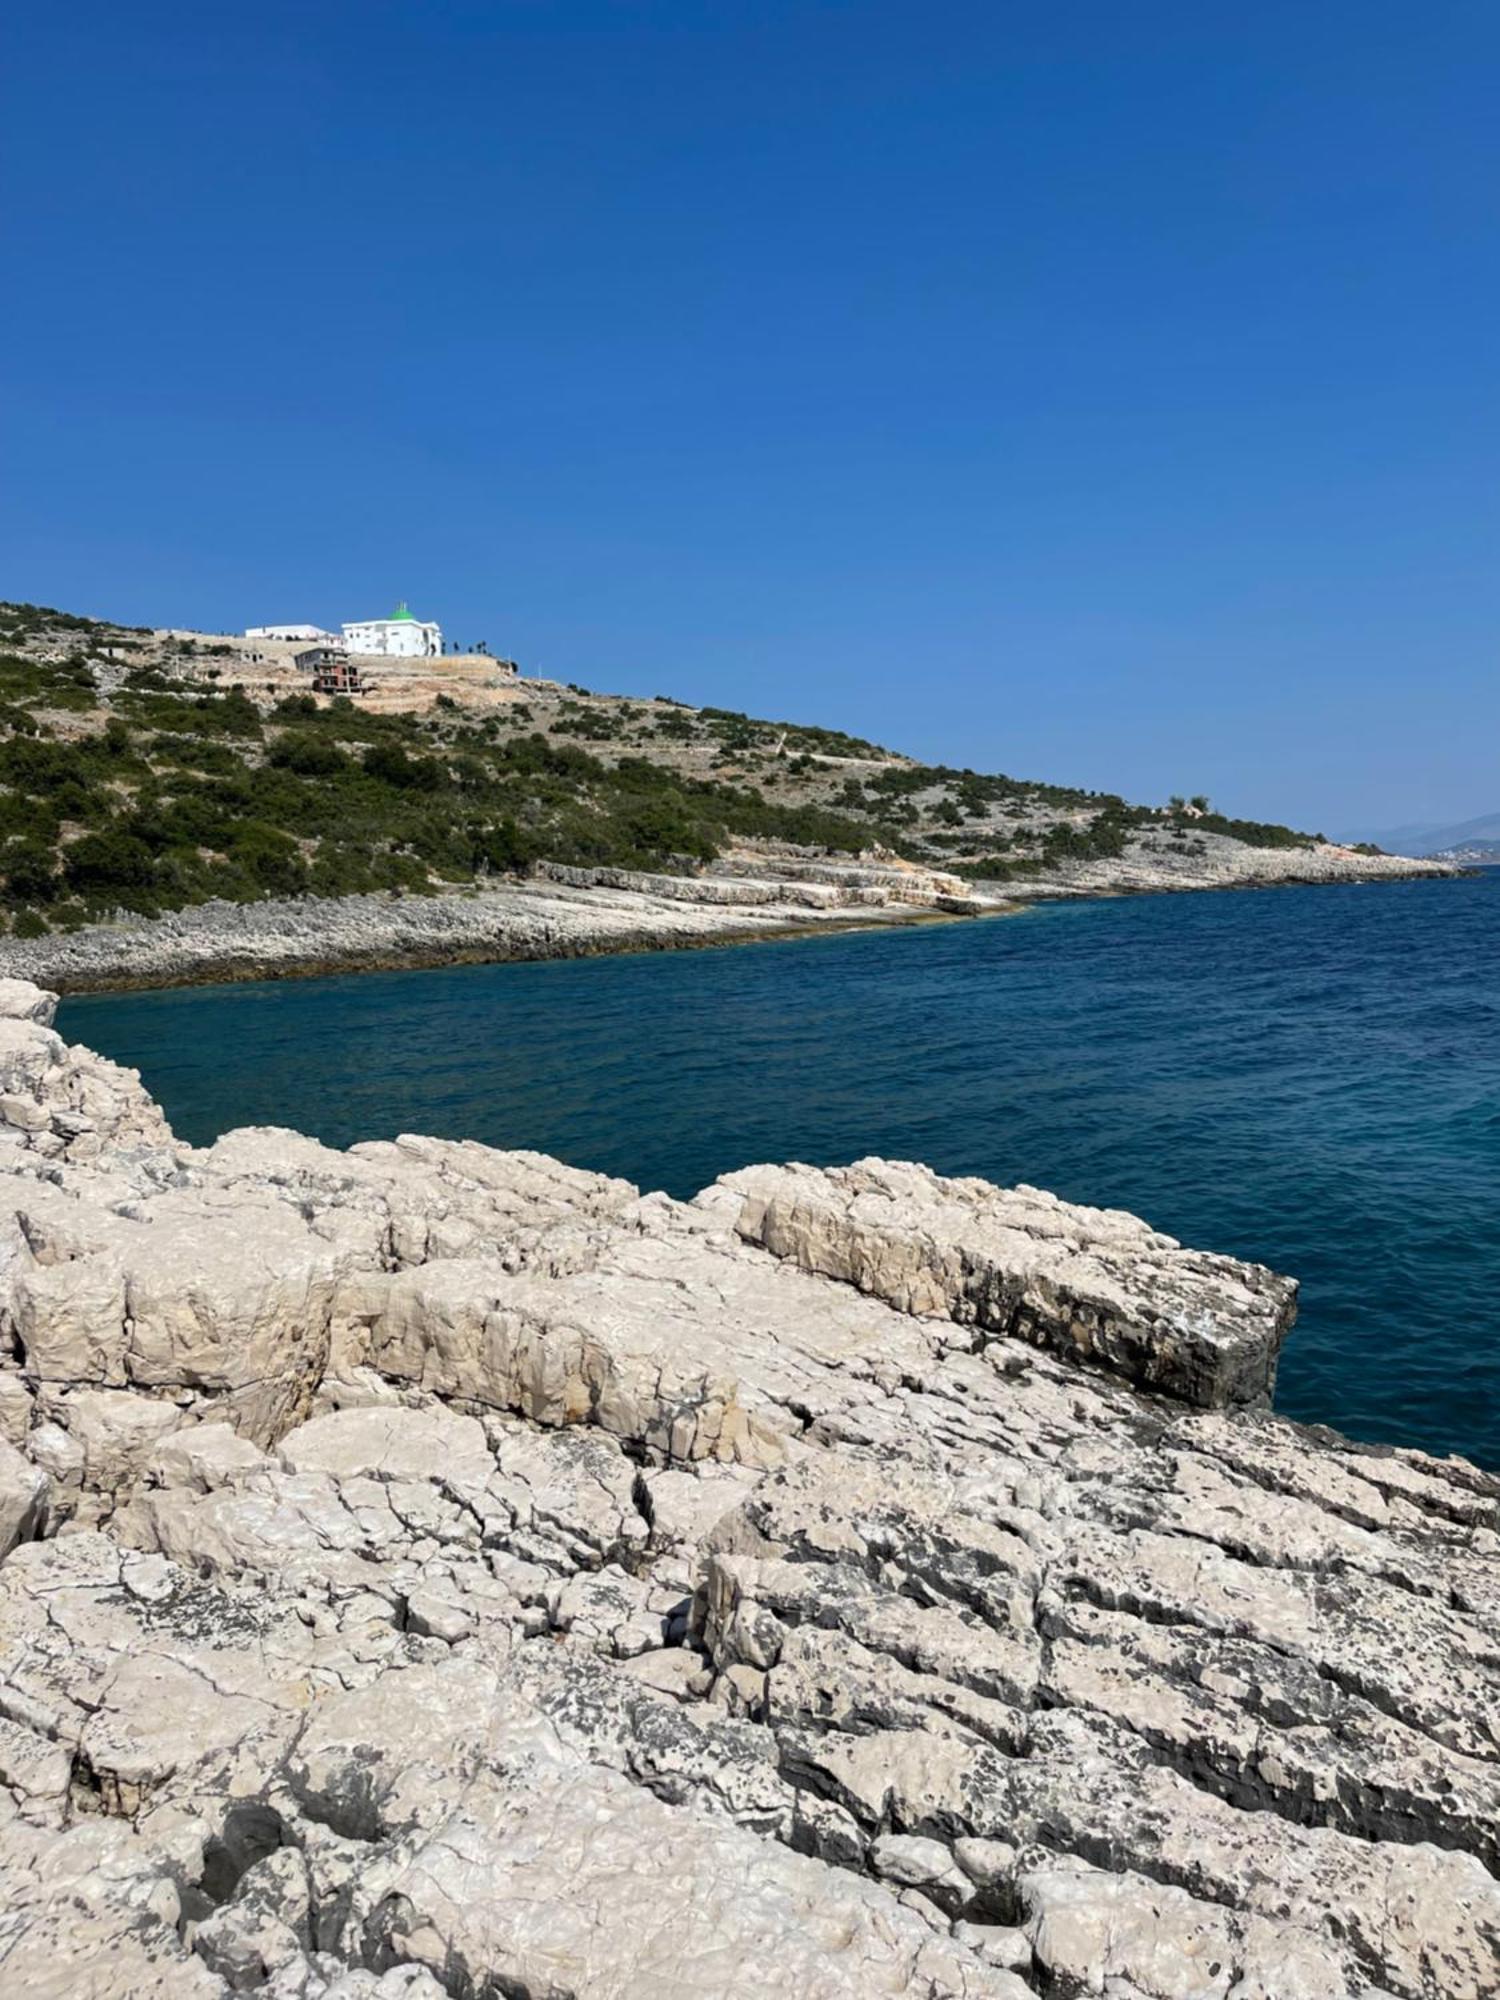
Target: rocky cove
(432,1569)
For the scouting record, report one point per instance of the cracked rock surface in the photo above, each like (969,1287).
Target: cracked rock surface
(430,1571)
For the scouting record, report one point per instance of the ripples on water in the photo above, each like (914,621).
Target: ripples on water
(1309,1077)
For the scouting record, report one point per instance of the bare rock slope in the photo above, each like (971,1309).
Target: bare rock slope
(431,1570)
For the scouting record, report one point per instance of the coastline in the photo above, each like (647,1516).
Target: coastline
(231,944)
(242,972)
(567,915)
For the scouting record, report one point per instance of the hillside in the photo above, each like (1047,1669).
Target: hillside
(148,771)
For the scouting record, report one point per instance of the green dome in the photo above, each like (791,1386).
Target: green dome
(402,612)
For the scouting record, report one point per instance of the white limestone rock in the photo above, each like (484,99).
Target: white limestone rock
(21,1001)
(479,1578)
(24,1490)
(1096,1285)
(563,1877)
(1088,1930)
(17,1405)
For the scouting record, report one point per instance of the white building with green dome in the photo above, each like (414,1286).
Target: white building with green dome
(400,635)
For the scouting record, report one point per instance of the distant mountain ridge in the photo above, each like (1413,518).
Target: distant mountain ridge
(1425,838)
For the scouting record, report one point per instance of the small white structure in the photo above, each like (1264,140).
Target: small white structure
(400,635)
(297,634)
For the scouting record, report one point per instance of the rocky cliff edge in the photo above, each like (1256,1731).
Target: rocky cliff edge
(432,1570)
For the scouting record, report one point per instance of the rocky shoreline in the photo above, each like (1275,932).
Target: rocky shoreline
(222,942)
(1152,865)
(575,913)
(431,1570)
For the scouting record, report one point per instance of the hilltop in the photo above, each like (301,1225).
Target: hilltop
(146,772)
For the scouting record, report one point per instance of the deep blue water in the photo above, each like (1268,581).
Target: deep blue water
(1310,1077)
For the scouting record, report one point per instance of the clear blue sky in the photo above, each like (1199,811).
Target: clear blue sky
(1103,390)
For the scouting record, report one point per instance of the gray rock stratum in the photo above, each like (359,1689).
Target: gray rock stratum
(431,1570)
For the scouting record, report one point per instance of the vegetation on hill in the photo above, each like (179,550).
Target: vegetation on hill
(129,780)
(184,794)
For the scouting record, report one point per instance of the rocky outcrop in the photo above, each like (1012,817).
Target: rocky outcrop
(1096,1285)
(1157,861)
(432,1570)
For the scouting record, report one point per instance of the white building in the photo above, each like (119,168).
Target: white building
(400,634)
(299,634)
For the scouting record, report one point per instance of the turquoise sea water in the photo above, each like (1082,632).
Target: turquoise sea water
(1310,1077)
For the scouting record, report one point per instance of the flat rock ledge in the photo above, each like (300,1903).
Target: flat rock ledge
(431,1570)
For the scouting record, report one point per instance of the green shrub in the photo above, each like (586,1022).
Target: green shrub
(273,862)
(506,848)
(111,861)
(1253,832)
(310,756)
(30,874)
(389,764)
(1100,839)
